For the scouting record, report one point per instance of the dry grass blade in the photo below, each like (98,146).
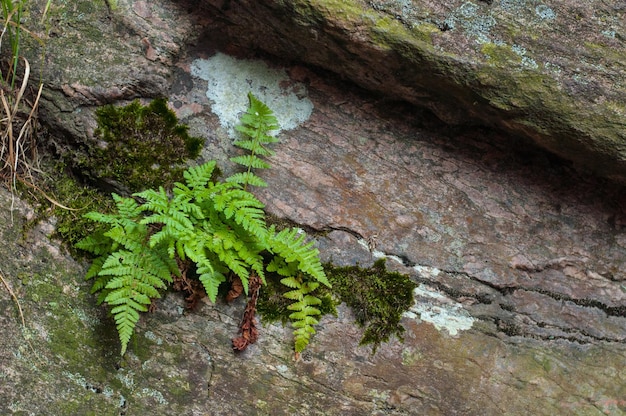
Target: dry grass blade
(13,150)
(19,308)
(17,302)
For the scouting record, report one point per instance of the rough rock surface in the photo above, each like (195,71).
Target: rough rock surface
(553,71)
(520,258)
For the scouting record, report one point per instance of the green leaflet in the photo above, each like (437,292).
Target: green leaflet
(304,309)
(217,225)
(256,123)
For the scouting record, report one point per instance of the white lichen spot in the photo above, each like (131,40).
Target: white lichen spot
(146,392)
(554,68)
(609,34)
(444,313)
(126,379)
(411,356)
(230,80)
(468,9)
(107,392)
(512,5)
(526,61)
(545,12)
(475,24)
(427,272)
(152,337)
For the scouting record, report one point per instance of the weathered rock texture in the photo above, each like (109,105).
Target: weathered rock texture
(553,71)
(498,234)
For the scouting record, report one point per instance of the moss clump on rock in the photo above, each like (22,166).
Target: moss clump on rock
(377,296)
(142,146)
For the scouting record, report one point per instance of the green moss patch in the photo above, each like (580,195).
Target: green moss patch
(377,296)
(143,146)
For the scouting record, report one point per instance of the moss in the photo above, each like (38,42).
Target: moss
(389,33)
(377,296)
(346,10)
(64,189)
(144,146)
(500,54)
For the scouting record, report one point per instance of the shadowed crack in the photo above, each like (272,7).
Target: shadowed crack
(519,310)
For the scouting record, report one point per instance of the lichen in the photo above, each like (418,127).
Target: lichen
(141,146)
(229,80)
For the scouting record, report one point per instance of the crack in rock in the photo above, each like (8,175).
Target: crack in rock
(522,310)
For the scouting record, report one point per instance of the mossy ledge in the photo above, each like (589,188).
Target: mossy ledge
(141,146)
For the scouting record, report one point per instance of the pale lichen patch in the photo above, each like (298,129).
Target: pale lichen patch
(230,79)
(444,313)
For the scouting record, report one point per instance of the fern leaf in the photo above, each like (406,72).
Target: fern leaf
(260,114)
(126,207)
(302,311)
(101,218)
(248,178)
(197,177)
(96,243)
(255,125)
(253,145)
(211,279)
(126,312)
(246,209)
(251,161)
(99,284)
(156,201)
(291,246)
(291,282)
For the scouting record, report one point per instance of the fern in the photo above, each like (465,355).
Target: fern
(256,123)
(217,225)
(127,273)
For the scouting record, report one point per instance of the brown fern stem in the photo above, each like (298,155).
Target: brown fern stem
(247,328)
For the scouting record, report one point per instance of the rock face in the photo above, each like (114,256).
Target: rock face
(520,259)
(552,71)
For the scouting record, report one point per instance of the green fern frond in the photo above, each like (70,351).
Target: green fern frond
(211,279)
(127,207)
(303,317)
(291,246)
(245,208)
(247,178)
(197,177)
(218,225)
(256,123)
(259,115)
(126,313)
(155,201)
(96,243)
(252,144)
(132,237)
(96,266)
(134,278)
(251,161)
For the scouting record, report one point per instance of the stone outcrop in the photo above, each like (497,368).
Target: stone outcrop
(551,71)
(519,258)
